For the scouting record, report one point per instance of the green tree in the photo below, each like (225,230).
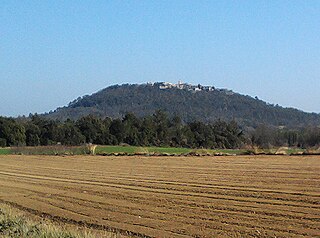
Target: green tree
(69,134)
(132,129)
(12,131)
(92,128)
(117,130)
(161,122)
(33,133)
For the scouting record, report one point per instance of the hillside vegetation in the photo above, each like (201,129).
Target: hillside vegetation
(204,106)
(210,119)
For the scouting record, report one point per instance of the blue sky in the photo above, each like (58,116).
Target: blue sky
(51,52)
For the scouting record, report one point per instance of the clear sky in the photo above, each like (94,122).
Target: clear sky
(51,52)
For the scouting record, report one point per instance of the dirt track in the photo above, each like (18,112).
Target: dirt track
(265,196)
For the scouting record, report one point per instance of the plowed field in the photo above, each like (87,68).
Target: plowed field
(244,196)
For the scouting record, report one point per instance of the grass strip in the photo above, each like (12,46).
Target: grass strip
(5,151)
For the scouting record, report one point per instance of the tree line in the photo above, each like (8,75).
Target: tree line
(155,130)
(267,136)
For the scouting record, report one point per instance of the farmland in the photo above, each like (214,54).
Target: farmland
(241,196)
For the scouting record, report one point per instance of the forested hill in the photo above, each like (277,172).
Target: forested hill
(190,105)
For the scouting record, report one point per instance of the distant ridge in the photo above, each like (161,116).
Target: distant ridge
(190,102)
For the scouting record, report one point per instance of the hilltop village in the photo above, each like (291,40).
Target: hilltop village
(189,87)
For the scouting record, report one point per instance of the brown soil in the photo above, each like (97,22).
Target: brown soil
(243,196)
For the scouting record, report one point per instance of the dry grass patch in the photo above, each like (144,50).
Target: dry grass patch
(16,224)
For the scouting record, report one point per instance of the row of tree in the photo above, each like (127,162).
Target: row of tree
(156,130)
(267,136)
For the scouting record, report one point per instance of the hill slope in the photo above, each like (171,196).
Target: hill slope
(115,101)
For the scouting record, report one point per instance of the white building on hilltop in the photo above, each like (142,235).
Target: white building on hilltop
(185,86)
